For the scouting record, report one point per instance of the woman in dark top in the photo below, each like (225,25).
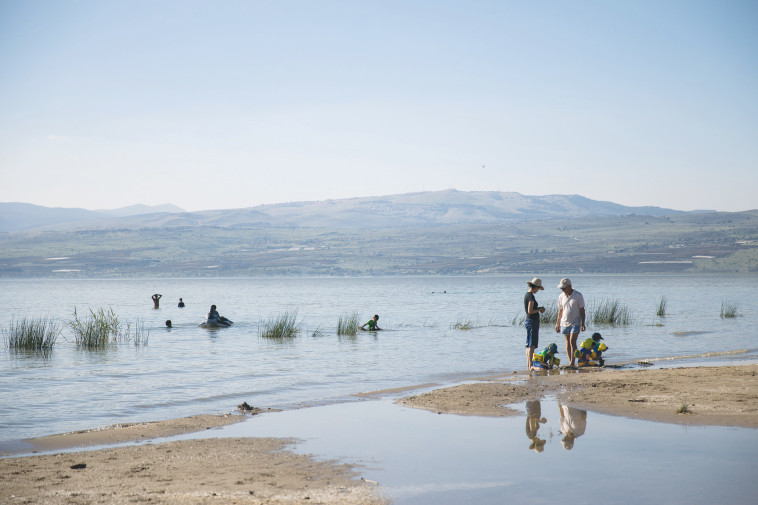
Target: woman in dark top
(532,321)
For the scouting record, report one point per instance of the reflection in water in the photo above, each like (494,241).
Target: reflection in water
(573,424)
(533,420)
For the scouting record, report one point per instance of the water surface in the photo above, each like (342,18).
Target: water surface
(188,370)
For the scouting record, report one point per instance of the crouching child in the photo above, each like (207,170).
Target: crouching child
(546,359)
(590,352)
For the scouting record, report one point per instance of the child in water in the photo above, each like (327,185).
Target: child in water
(546,359)
(372,324)
(590,352)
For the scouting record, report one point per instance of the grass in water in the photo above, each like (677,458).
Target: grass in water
(611,312)
(348,325)
(464,324)
(33,335)
(684,409)
(550,316)
(95,331)
(102,328)
(317,333)
(661,312)
(141,336)
(729,310)
(280,327)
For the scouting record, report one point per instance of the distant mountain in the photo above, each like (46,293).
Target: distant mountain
(393,211)
(22,216)
(139,209)
(446,207)
(16,216)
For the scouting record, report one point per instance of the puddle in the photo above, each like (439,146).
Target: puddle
(422,458)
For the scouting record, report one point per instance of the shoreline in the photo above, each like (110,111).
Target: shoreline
(264,470)
(698,395)
(714,395)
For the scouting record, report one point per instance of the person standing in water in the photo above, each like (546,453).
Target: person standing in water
(532,321)
(181,303)
(570,316)
(156,300)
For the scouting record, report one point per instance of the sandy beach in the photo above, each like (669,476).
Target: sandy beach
(264,471)
(709,396)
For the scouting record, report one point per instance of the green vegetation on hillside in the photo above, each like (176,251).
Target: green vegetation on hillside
(717,242)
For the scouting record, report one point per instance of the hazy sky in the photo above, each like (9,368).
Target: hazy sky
(225,104)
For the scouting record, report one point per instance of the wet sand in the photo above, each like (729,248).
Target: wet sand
(264,471)
(713,396)
(133,432)
(215,471)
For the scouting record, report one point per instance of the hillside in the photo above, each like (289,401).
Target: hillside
(406,210)
(15,216)
(425,239)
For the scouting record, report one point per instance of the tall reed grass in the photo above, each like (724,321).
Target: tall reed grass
(33,334)
(348,325)
(611,312)
(282,326)
(102,328)
(550,316)
(140,335)
(729,310)
(662,304)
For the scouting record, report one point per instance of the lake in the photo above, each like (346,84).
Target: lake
(189,370)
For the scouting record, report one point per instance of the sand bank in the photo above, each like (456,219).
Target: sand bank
(263,471)
(209,471)
(133,432)
(716,396)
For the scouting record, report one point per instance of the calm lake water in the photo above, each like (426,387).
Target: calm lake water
(189,370)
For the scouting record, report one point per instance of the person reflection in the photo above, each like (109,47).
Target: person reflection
(573,424)
(533,420)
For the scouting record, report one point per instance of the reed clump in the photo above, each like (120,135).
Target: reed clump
(662,304)
(464,324)
(550,316)
(282,326)
(103,327)
(348,325)
(729,310)
(611,312)
(140,335)
(317,333)
(33,334)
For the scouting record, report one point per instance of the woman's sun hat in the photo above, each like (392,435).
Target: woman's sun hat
(535,283)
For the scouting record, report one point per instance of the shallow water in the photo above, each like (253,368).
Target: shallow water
(422,458)
(189,370)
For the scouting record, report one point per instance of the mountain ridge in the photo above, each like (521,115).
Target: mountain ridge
(429,208)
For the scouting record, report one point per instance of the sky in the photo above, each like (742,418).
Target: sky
(230,104)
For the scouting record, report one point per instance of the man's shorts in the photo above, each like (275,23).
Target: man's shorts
(568,330)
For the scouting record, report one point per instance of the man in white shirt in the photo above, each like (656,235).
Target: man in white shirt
(570,316)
